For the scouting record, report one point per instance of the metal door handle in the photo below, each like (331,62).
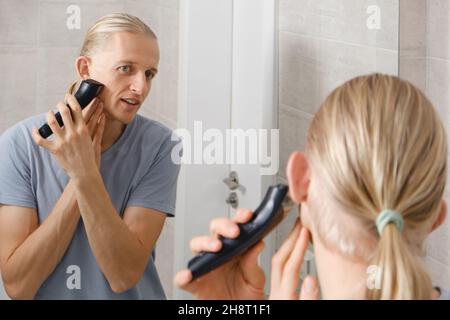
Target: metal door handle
(232,181)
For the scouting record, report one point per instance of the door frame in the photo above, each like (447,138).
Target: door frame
(240,55)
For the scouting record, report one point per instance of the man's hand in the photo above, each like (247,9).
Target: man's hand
(240,278)
(286,264)
(72,145)
(94,117)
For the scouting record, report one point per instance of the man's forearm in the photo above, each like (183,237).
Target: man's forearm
(36,258)
(119,253)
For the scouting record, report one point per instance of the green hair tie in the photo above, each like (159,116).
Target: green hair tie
(387,216)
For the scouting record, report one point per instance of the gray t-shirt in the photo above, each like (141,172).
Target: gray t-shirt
(137,171)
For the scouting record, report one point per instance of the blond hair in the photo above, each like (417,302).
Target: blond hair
(100,32)
(377,143)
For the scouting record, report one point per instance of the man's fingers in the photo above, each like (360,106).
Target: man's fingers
(250,258)
(39,140)
(65,113)
(97,138)
(90,109)
(53,124)
(77,116)
(205,243)
(286,266)
(94,121)
(250,268)
(182,278)
(310,289)
(280,258)
(100,128)
(243,216)
(292,267)
(224,227)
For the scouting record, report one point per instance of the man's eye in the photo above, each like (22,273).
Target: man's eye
(125,69)
(149,74)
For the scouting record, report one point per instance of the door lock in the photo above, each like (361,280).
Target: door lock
(232,200)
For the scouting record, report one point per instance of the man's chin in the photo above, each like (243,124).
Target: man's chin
(124,118)
(128,119)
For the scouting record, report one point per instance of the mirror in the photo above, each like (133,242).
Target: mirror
(322,44)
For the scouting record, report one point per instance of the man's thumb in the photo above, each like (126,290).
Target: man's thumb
(250,268)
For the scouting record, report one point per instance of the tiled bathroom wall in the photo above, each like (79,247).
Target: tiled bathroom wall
(321,45)
(413,46)
(38,51)
(425,61)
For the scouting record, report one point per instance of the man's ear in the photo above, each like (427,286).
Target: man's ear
(82,66)
(298,175)
(441,216)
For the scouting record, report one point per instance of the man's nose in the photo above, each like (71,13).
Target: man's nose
(139,83)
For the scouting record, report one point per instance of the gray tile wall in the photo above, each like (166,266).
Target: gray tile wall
(38,53)
(413,46)
(425,61)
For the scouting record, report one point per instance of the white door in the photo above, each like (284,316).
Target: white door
(226,95)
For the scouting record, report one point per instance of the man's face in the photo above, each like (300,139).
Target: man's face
(126,66)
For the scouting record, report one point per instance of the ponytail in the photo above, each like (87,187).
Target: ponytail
(402,274)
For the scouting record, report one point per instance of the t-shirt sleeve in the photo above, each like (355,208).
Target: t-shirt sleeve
(158,187)
(15,174)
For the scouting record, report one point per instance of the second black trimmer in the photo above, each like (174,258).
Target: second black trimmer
(87,91)
(275,206)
